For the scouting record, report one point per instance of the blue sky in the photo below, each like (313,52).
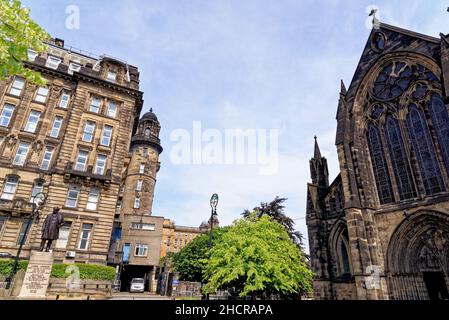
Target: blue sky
(237,64)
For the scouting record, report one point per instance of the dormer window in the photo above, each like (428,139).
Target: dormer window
(53,62)
(32,55)
(112,76)
(74,67)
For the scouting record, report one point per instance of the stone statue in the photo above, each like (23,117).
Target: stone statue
(50,229)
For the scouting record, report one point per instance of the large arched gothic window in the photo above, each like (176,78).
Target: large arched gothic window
(379,165)
(398,121)
(399,160)
(425,154)
(440,119)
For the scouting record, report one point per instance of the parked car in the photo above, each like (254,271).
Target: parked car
(137,285)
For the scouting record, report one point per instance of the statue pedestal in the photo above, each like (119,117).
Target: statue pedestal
(37,276)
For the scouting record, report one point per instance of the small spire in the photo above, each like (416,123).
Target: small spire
(316,151)
(151,109)
(342,88)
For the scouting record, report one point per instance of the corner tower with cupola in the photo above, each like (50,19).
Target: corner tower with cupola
(135,245)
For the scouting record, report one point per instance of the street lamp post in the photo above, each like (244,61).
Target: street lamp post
(213,205)
(37,201)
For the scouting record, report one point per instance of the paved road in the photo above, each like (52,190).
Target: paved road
(137,296)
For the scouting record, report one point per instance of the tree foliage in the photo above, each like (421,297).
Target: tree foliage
(257,257)
(191,260)
(18,33)
(275,209)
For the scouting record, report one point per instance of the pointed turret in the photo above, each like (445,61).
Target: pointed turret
(341,114)
(343,90)
(318,168)
(316,151)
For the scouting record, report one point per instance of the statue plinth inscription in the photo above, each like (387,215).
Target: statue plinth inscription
(37,276)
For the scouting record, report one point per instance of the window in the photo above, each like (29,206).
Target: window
(72,197)
(22,232)
(136,203)
(64,100)
(143,226)
(17,86)
(57,123)
(33,119)
(38,187)
(5,117)
(89,129)
(2,222)
(112,76)
(10,187)
(139,185)
(147,132)
(74,67)
(422,146)
(95,104)
(53,62)
(126,252)
(41,95)
(399,160)
(100,164)
(345,267)
(107,134)
(21,154)
(112,109)
(117,233)
(141,250)
(63,239)
(45,164)
(81,160)
(32,55)
(440,119)
(85,236)
(92,199)
(380,169)
(142,169)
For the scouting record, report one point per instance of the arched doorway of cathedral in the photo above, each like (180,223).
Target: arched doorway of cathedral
(418,258)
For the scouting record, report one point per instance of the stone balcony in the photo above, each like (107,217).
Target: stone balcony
(16,207)
(88,175)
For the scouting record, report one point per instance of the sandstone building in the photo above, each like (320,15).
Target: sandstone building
(175,237)
(380,230)
(80,142)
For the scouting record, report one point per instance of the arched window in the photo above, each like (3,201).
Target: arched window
(147,132)
(401,168)
(379,165)
(425,155)
(345,267)
(440,119)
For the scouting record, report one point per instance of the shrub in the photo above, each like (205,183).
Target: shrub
(6,266)
(87,271)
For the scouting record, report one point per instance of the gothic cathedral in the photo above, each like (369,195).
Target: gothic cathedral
(380,230)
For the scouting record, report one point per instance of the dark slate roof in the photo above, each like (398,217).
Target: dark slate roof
(150,116)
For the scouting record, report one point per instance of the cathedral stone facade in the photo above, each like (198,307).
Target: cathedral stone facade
(380,230)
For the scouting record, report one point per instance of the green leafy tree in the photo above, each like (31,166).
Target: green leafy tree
(257,257)
(191,260)
(18,33)
(275,209)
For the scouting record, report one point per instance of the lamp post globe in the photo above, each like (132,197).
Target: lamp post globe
(214,201)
